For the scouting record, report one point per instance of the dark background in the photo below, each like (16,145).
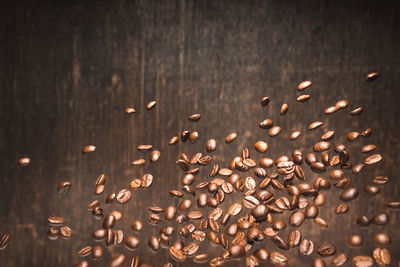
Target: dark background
(69,70)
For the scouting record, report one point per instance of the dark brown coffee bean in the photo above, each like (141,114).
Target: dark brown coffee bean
(135,262)
(336,174)
(393,204)
(230,137)
(382,239)
(132,242)
(99,234)
(110,237)
(138,162)
(363,261)
(177,254)
(123,196)
(315,125)
(358,168)
(137,225)
(375,158)
(294,238)
(318,262)
(93,204)
(341,208)
(185,205)
(250,202)
(153,218)
(306,247)
(195,215)
(65,231)
(190,249)
(303,85)
(194,117)
(259,211)
(278,258)
(109,221)
(311,211)
(274,131)
(355,241)
(266,124)
(279,225)
(380,180)
(318,167)
(372,76)
(343,183)
(321,222)
(261,146)
(63,187)
(356,111)
(117,261)
(185,135)
(380,219)
(154,243)
(214,226)
(55,220)
(321,146)
(265,101)
(89,149)
(211,145)
(311,158)
(319,200)
(261,254)
(342,104)
(144,148)
(201,258)
(217,262)
(279,242)
(326,249)
(349,194)
(82,264)
(372,189)
(330,110)
(366,133)
(97,252)
(85,251)
(321,184)
(339,259)
(173,140)
(4,241)
(99,189)
(294,135)
(363,221)
(284,109)
(155,155)
(381,256)
(303,98)
(297,218)
(368,148)
(252,261)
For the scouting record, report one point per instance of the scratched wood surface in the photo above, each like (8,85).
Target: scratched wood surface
(68,71)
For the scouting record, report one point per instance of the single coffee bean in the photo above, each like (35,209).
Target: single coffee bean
(259,212)
(375,158)
(82,264)
(382,239)
(278,258)
(279,225)
(132,242)
(336,174)
(130,110)
(381,256)
(138,162)
(342,104)
(230,137)
(52,233)
(85,251)
(318,262)
(252,261)
(265,101)
(372,189)
(123,196)
(109,221)
(66,231)
(261,146)
(363,261)
(297,218)
(153,218)
(170,213)
(303,98)
(341,208)
(349,194)
(356,111)
(326,249)
(339,259)
(266,124)
(294,238)
(315,125)
(311,211)
(380,180)
(201,258)
(321,222)
(279,242)
(155,155)
(144,148)
(173,140)
(97,252)
(274,131)
(195,215)
(194,117)
(177,254)
(261,254)
(355,241)
(303,85)
(371,76)
(321,146)
(185,205)
(358,168)
(99,234)
(56,220)
(117,261)
(211,145)
(154,243)
(4,241)
(284,109)
(363,221)
(368,148)
(318,167)
(88,149)
(306,247)
(393,204)
(63,187)
(330,110)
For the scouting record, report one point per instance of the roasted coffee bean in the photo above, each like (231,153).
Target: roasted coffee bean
(371,76)
(284,109)
(380,219)
(294,238)
(363,261)
(355,241)
(321,146)
(93,204)
(173,140)
(151,104)
(198,236)
(215,214)
(380,180)
(177,254)
(254,234)
(321,222)
(195,215)
(123,196)
(85,251)
(266,124)
(55,220)
(82,264)
(278,258)
(375,158)
(154,243)
(319,200)
(261,254)
(341,104)
(52,234)
(135,184)
(336,174)
(214,226)
(311,211)
(194,117)
(363,221)
(318,167)
(185,135)
(250,202)
(393,204)
(110,237)
(109,221)
(170,213)
(99,234)
(368,148)
(341,208)
(138,162)
(230,137)
(274,131)
(89,149)
(356,111)
(118,237)
(279,225)
(259,211)
(97,252)
(201,258)
(279,242)
(231,229)
(358,168)
(372,189)
(130,110)
(190,249)
(303,98)
(330,110)
(135,262)
(63,187)
(217,262)
(261,146)
(297,218)
(318,262)
(339,259)
(99,189)
(315,125)
(252,261)
(306,247)
(303,85)
(65,231)
(311,158)
(155,155)
(117,261)
(185,205)
(214,238)
(351,136)
(381,256)
(294,135)
(349,194)
(153,218)
(343,183)
(321,184)
(212,202)
(326,249)
(265,101)
(132,242)
(137,225)
(144,148)
(211,145)
(225,172)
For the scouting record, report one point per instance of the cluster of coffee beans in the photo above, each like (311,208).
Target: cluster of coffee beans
(280,186)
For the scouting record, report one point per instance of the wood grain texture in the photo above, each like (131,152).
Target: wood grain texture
(69,70)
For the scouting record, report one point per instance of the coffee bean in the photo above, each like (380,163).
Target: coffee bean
(144,148)
(55,220)
(380,219)
(185,135)
(375,158)
(97,252)
(217,262)
(318,262)
(195,215)
(279,225)
(279,242)
(339,259)
(358,168)
(380,180)
(297,218)
(284,109)
(24,161)
(194,117)
(342,104)
(155,155)
(315,125)
(330,110)
(4,241)
(130,110)
(230,137)
(303,98)
(261,146)
(117,261)
(303,85)
(363,261)
(349,194)
(356,111)
(99,189)
(211,145)
(85,251)
(63,187)
(66,231)
(123,196)
(265,101)
(146,180)
(52,234)
(88,149)
(294,238)
(372,189)
(266,124)
(341,208)
(306,247)
(355,241)
(93,204)
(321,146)
(311,158)
(154,243)
(311,211)
(294,135)
(351,136)
(326,249)
(368,148)
(173,140)
(153,218)
(371,76)
(381,256)
(99,234)
(137,225)
(190,249)
(135,262)
(109,221)
(201,258)
(251,261)
(151,104)
(177,254)
(261,254)
(132,242)
(185,205)
(321,222)
(82,264)
(278,258)
(393,204)
(336,174)
(259,211)
(214,226)
(193,137)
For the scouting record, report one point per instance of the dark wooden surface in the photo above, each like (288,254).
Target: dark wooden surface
(68,71)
